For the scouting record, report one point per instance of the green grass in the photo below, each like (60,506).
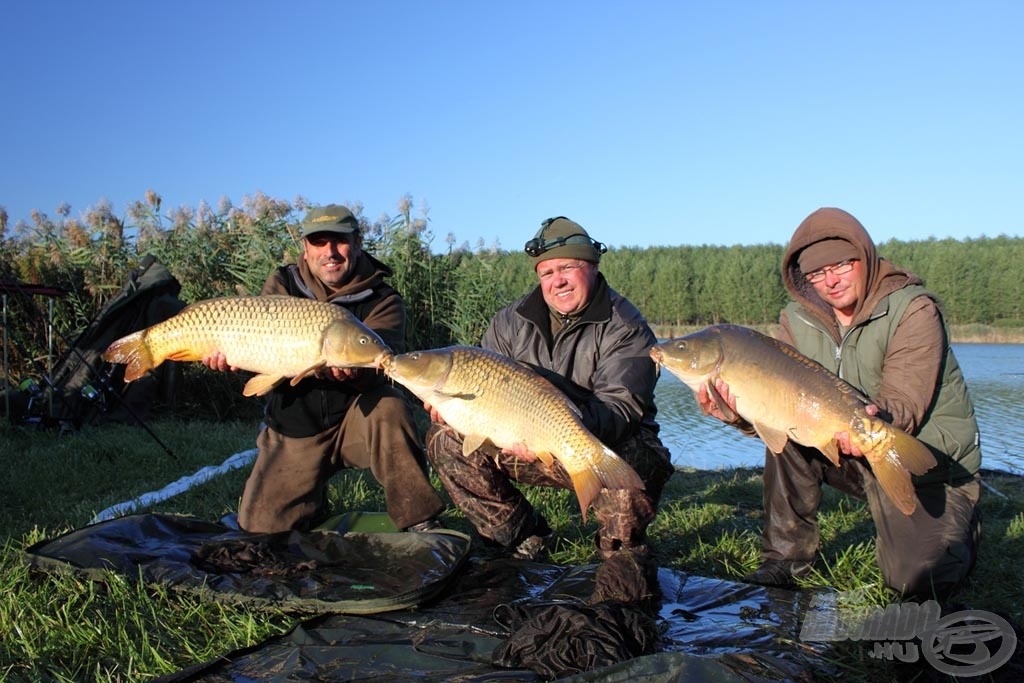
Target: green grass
(58,626)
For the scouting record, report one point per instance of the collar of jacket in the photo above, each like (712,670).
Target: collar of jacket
(535,309)
(354,297)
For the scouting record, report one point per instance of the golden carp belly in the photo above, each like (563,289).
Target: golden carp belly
(486,396)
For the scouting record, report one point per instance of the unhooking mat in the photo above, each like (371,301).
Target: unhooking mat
(299,572)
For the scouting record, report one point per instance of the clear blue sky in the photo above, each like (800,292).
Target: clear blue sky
(651,123)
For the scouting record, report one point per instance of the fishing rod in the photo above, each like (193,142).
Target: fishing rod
(102,379)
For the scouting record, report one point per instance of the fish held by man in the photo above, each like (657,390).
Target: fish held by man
(786,395)
(274,336)
(487,396)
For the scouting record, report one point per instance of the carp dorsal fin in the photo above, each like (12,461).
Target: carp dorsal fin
(261,384)
(774,439)
(307,372)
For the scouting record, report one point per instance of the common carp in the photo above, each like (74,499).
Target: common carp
(786,395)
(488,396)
(275,336)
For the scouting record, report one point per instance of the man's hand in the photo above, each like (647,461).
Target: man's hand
(339,374)
(218,362)
(434,415)
(709,404)
(521,451)
(843,438)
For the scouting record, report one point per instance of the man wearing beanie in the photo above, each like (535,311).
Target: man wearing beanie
(593,344)
(877,327)
(341,417)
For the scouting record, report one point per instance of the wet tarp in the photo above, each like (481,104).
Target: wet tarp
(318,572)
(709,630)
(460,615)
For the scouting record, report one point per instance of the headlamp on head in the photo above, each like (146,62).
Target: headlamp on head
(576,236)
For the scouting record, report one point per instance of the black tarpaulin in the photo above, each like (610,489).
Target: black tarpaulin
(413,607)
(708,630)
(301,572)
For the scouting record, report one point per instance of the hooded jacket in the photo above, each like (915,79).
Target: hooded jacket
(896,349)
(314,405)
(599,360)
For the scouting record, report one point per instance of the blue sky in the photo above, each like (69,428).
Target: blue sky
(650,123)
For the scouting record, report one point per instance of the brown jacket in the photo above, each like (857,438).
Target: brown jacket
(314,405)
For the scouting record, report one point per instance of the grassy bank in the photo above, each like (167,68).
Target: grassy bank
(68,629)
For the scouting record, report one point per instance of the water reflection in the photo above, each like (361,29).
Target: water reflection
(995,377)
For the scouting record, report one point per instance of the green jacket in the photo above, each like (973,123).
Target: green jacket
(949,427)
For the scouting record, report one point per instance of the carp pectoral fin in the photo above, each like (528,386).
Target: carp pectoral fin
(913,454)
(894,480)
(729,414)
(307,372)
(773,438)
(261,384)
(471,442)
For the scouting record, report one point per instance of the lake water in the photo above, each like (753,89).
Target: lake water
(995,378)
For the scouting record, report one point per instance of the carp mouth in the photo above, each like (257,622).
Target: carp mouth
(383,361)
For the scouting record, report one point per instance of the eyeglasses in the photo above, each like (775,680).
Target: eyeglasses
(841,268)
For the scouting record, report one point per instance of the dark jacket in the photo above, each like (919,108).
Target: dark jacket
(601,360)
(896,349)
(314,405)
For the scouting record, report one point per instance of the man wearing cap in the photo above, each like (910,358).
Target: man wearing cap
(593,344)
(878,328)
(342,417)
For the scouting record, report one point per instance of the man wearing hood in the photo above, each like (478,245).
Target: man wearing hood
(878,328)
(342,417)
